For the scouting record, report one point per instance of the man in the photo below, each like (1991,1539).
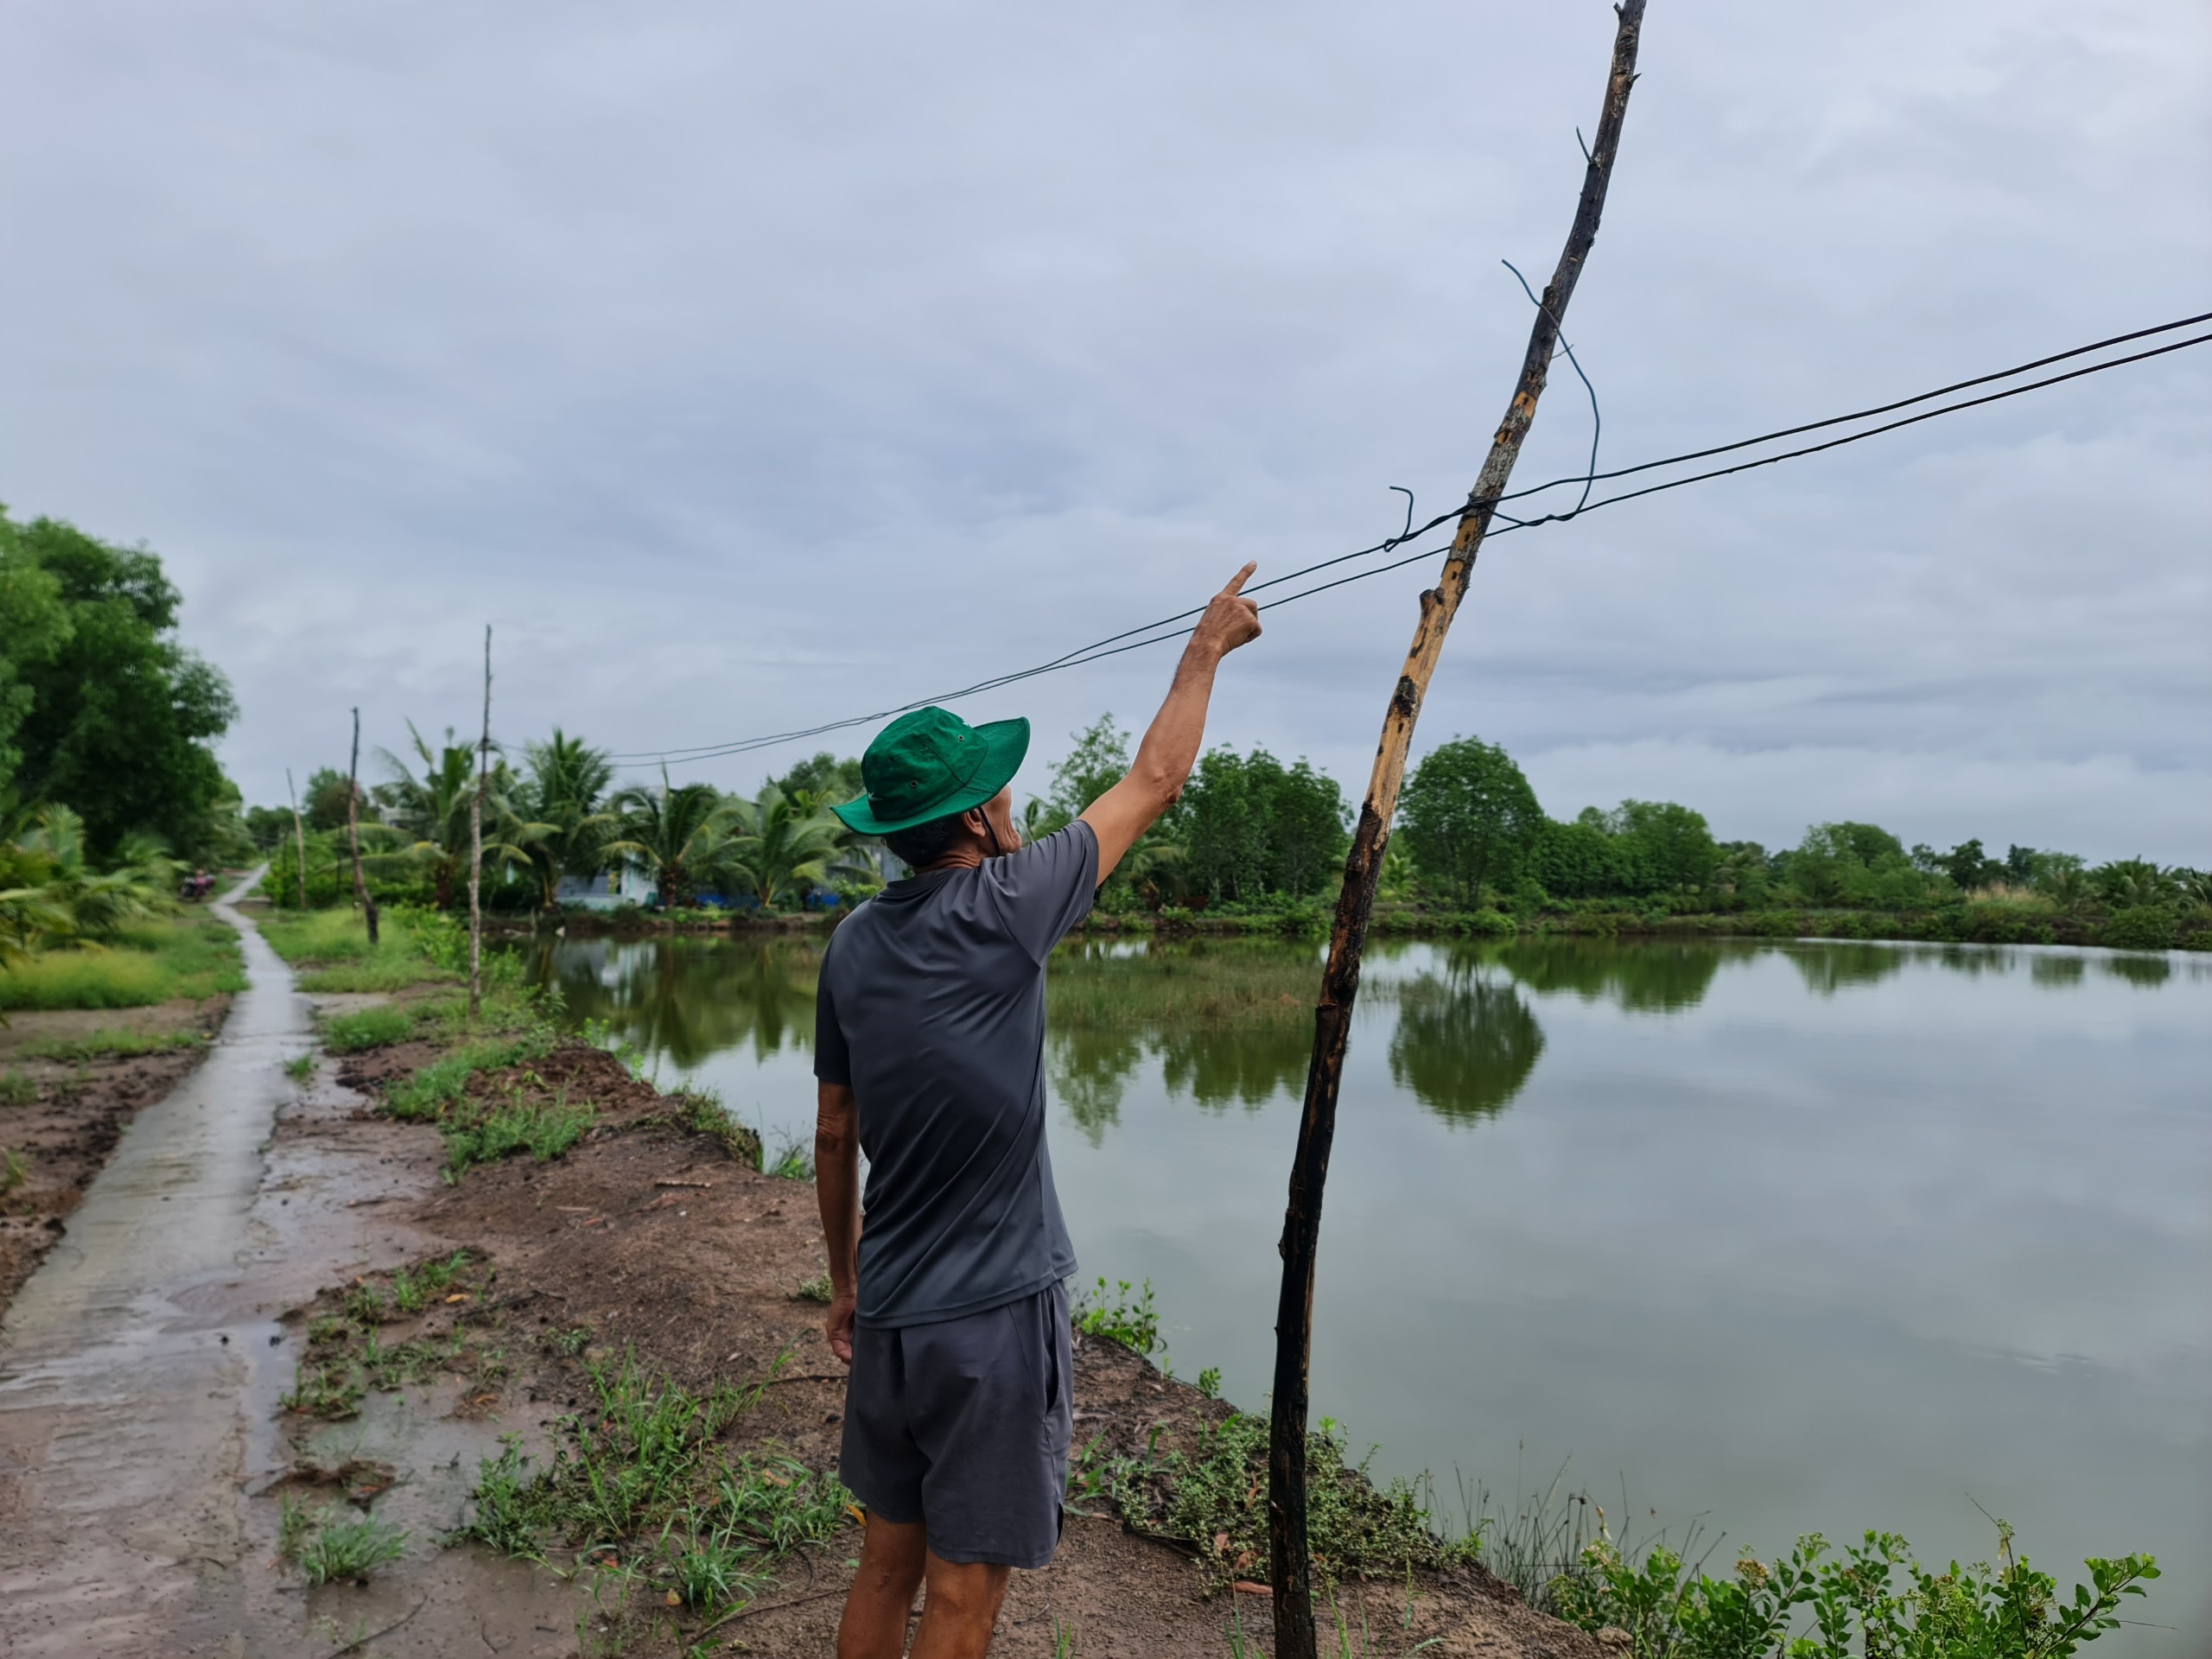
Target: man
(950,1305)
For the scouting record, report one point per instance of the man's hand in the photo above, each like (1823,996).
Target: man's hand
(1171,743)
(839,1324)
(1231,619)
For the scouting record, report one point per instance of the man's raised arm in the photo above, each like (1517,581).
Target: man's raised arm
(1170,748)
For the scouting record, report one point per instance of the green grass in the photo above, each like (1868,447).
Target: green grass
(103,1044)
(1214,1500)
(15,1170)
(413,1288)
(439,1086)
(349,1033)
(333,1546)
(300,1067)
(701,1111)
(16,1089)
(330,1389)
(543,1130)
(194,956)
(332,948)
(645,1480)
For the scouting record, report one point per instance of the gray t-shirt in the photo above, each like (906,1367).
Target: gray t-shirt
(931,1006)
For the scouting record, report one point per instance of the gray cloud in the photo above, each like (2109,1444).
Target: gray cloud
(745,367)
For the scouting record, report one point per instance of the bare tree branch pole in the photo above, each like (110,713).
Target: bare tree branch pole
(299,836)
(476,844)
(354,831)
(1287,1483)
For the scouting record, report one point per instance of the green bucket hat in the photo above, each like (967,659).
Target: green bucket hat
(932,764)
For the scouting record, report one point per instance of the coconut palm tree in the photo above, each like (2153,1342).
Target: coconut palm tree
(433,811)
(565,794)
(2130,883)
(784,843)
(678,832)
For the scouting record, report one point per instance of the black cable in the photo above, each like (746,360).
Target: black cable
(1127,639)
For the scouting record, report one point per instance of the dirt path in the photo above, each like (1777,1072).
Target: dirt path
(140,1369)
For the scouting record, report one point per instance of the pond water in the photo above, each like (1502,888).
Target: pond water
(1769,1237)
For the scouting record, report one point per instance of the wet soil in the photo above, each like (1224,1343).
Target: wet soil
(74,1113)
(648,1238)
(168,1383)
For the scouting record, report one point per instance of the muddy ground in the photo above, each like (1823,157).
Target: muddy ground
(647,1238)
(63,1116)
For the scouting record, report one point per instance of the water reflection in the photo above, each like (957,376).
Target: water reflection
(2058,972)
(2145,970)
(689,999)
(1231,1021)
(1464,1044)
(1658,978)
(1828,968)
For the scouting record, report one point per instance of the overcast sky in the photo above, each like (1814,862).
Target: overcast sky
(750,365)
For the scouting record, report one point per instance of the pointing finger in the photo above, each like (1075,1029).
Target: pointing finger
(1242,576)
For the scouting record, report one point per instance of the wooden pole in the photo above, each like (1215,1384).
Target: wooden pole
(299,836)
(361,898)
(1287,1491)
(476,844)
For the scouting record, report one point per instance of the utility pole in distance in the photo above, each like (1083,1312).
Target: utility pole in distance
(299,837)
(1289,1560)
(353,832)
(476,844)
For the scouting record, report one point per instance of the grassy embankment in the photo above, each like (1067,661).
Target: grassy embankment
(2002,918)
(192,956)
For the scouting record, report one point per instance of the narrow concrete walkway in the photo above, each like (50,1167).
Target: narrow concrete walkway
(124,1363)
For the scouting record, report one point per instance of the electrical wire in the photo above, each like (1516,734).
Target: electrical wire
(1149,633)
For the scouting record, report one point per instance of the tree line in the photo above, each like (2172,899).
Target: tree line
(109,784)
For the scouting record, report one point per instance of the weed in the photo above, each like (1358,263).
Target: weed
(701,1111)
(779,1502)
(1063,1638)
(545,1132)
(16,1089)
(816,1289)
(15,1170)
(1214,1499)
(712,1569)
(295,1526)
(338,1549)
(1135,1324)
(330,1389)
(412,1288)
(2012,1612)
(300,1068)
(645,1463)
(104,1044)
(326,1328)
(572,1341)
(794,1162)
(364,1306)
(434,1091)
(348,1033)
(1210,1381)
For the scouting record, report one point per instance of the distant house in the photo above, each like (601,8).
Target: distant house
(608,890)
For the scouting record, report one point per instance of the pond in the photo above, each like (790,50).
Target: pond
(1763,1238)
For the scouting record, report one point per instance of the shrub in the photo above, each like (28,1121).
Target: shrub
(1852,1605)
(2142,927)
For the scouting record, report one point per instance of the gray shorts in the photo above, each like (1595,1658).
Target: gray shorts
(963,1426)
